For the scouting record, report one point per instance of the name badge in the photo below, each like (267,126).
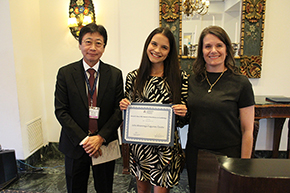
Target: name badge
(94,112)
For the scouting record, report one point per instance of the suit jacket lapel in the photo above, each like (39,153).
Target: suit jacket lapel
(105,76)
(79,80)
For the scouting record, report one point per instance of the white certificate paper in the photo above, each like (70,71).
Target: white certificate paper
(149,123)
(109,153)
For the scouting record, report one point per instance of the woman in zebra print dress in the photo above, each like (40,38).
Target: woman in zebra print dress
(158,79)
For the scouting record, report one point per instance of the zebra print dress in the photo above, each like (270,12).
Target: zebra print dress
(158,164)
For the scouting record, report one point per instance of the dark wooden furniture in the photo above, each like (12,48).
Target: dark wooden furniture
(277,111)
(126,157)
(219,174)
(207,176)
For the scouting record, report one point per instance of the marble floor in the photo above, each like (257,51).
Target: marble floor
(48,176)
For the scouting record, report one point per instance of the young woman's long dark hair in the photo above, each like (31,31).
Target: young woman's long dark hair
(171,66)
(199,63)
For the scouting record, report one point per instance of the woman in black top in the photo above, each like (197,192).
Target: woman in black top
(220,103)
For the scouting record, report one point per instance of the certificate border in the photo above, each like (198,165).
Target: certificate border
(139,140)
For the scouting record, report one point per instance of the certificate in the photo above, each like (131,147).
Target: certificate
(149,123)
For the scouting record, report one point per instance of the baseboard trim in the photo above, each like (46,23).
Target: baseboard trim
(48,151)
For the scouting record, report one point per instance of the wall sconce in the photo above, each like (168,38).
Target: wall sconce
(81,13)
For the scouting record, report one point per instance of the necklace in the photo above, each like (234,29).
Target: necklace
(212,85)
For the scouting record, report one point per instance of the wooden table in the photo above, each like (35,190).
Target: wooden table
(277,111)
(220,174)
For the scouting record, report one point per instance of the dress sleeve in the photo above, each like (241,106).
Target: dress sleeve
(247,94)
(129,85)
(181,121)
(184,87)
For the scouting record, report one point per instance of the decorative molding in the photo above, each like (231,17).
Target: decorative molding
(251,66)
(252,36)
(170,10)
(272,111)
(254,10)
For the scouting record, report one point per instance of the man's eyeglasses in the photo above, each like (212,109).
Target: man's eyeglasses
(90,43)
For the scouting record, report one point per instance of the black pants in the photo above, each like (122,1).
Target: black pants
(77,174)
(191,155)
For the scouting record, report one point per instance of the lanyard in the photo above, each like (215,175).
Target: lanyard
(88,84)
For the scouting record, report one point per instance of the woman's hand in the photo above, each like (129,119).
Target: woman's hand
(124,104)
(179,110)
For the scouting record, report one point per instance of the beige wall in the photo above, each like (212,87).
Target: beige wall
(37,42)
(275,67)
(10,127)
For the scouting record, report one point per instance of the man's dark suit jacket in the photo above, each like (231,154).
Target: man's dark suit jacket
(71,105)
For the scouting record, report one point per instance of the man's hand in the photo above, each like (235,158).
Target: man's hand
(92,146)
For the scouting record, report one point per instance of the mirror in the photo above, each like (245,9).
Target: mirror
(226,14)
(248,32)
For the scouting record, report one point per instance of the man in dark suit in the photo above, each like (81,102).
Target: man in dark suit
(77,103)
